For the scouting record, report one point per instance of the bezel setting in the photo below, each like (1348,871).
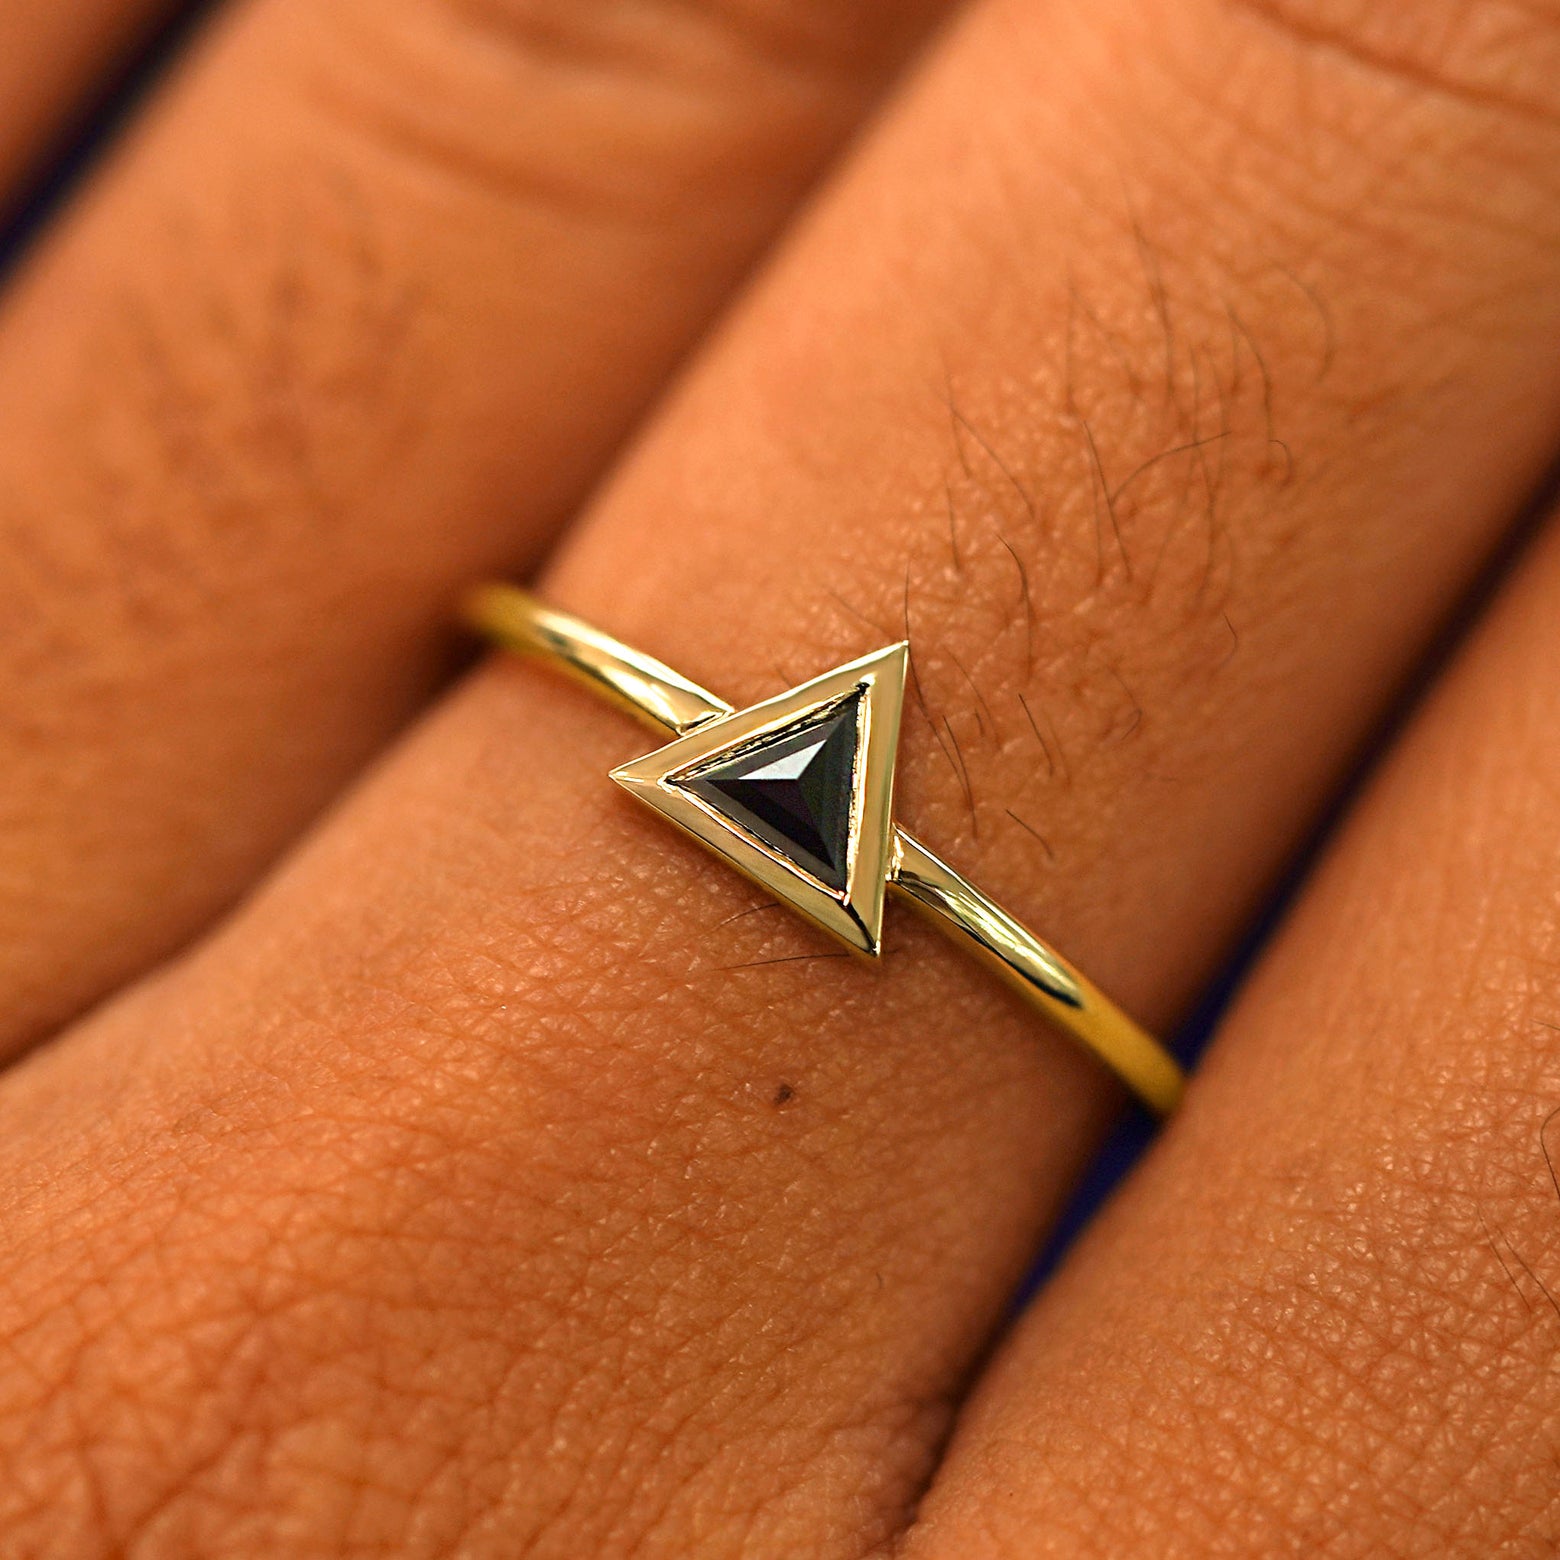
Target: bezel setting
(852,914)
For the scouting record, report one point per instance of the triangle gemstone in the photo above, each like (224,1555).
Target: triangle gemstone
(793,790)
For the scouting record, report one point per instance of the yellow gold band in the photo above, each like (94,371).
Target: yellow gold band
(834,862)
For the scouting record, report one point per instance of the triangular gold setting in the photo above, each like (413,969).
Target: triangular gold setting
(797,792)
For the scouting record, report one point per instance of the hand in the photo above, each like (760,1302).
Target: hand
(504,1178)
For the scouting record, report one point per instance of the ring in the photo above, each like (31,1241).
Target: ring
(798,794)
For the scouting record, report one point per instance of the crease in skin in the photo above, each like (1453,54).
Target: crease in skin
(650,83)
(642,38)
(1465,51)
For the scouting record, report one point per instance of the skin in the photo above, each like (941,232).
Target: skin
(1368,1281)
(503,1179)
(254,434)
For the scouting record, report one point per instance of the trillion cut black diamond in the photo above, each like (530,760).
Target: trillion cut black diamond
(793,790)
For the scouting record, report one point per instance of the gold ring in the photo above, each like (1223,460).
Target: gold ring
(798,794)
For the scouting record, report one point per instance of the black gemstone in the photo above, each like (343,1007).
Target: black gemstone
(793,790)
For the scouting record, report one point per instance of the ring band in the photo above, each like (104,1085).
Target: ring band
(797,793)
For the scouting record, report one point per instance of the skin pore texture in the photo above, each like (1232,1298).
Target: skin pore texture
(507,1179)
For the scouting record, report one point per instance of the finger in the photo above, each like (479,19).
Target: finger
(361,312)
(710,1224)
(51,58)
(1323,1320)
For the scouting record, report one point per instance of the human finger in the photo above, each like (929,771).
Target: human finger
(361,308)
(599,1207)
